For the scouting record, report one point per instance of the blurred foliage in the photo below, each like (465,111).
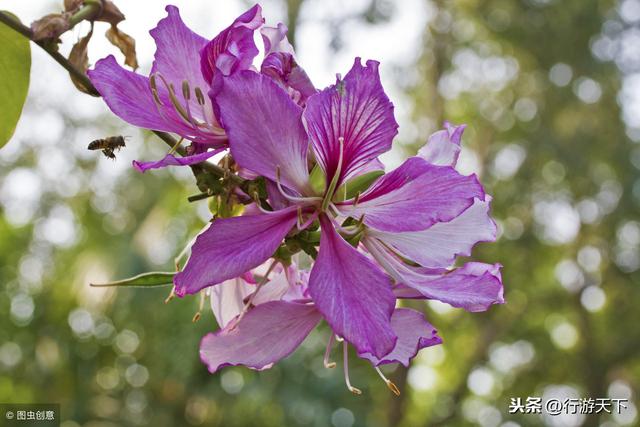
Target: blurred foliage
(539,89)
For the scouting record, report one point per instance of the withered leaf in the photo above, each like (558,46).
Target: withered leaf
(125,43)
(72,5)
(79,57)
(50,26)
(110,13)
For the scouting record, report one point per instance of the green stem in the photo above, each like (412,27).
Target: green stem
(89,11)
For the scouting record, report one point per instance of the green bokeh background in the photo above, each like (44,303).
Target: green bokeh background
(551,146)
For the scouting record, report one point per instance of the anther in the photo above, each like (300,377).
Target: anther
(351,388)
(199,96)
(186,91)
(394,388)
(176,103)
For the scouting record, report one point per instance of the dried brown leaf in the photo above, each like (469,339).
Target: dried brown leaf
(79,57)
(125,43)
(50,26)
(110,13)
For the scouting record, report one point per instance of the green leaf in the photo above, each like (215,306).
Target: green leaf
(15,66)
(144,280)
(359,184)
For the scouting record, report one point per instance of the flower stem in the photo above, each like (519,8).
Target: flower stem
(89,11)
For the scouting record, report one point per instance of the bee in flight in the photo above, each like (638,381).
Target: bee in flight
(108,145)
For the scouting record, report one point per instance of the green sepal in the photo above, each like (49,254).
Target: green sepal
(359,184)
(318,180)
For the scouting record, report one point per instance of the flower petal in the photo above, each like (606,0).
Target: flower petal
(475,286)
(177,60)
(171,160)
(440,244)
(356,109)
(177,55)
(352,294)
(279,64)
(443,147)
(227,299)
(275,39)
(285,71)
(264,127)
(415,196)
(414,333)
(233,49)
(266,334)
(129,96)
(232,246)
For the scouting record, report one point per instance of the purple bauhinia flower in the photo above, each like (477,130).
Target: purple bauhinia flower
(176,95)
(424,211)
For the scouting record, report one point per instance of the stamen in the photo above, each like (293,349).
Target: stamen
(197,316)
(184,114)
(171,296)
(293,198)
(350,230)
(336,177)
(154,90)
(335,209)
(327,354)
(394,388)
(351,388)
(247,306)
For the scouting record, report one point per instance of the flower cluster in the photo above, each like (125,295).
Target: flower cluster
(336,238)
